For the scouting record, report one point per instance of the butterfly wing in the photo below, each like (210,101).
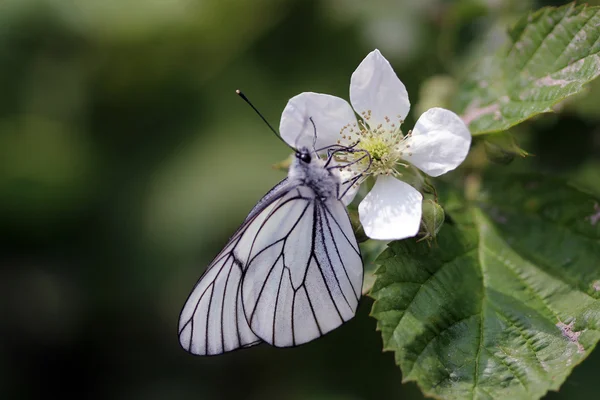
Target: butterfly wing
(291,273)
(304,273)
(212,320)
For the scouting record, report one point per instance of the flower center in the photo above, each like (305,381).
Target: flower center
(377,147)
(384,145)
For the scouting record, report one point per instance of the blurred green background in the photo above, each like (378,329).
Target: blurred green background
(126,161)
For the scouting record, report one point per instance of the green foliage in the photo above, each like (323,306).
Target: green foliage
(507,300)
(126,161)
(506,303)
(552,53)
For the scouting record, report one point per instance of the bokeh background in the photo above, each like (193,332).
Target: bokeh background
(126,161)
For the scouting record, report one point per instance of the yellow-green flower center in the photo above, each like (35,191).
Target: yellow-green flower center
(383,143)
(377,148)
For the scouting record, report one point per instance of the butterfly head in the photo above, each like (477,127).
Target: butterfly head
(310,170)
(303,155)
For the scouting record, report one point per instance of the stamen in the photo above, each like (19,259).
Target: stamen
(383,144)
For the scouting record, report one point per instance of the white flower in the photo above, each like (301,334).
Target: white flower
(438,143)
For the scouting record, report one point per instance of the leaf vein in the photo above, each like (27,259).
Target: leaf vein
(522,279)
(481,312)
(573,38)
(429,278)
(508,366)
(508,319)
(544,40)
(436,336)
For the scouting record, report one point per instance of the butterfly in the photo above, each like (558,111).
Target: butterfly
(291,273)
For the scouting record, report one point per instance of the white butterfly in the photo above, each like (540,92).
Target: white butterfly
(291,273)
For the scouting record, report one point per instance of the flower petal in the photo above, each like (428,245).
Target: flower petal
(439,142)
(349,191)
(391,210)
(329,114)
(375,87)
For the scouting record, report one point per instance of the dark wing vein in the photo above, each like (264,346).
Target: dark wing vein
(279,256)
(212,292)
(225,259)
(223,307)
(321,218)
(325,244)
(341,230)
(268,217)
(337,251)
(277,299)
(313,312)
(263,288)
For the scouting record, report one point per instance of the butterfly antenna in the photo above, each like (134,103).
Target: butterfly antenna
(315,136)
(243,96)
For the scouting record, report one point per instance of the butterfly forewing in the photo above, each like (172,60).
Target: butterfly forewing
(212,320)
(305,277)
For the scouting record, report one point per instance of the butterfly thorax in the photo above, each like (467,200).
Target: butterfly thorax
(324,182)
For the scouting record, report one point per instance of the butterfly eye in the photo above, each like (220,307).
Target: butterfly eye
(305,157)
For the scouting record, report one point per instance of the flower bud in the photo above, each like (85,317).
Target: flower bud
(432,219)
(284,165)
(501,148)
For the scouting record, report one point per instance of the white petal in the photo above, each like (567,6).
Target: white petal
(439,142)
(391,210)
(374,86)
(350,194)
(329,114)
(348,191)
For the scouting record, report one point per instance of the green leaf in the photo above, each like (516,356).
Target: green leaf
(506,303)
(552,53)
